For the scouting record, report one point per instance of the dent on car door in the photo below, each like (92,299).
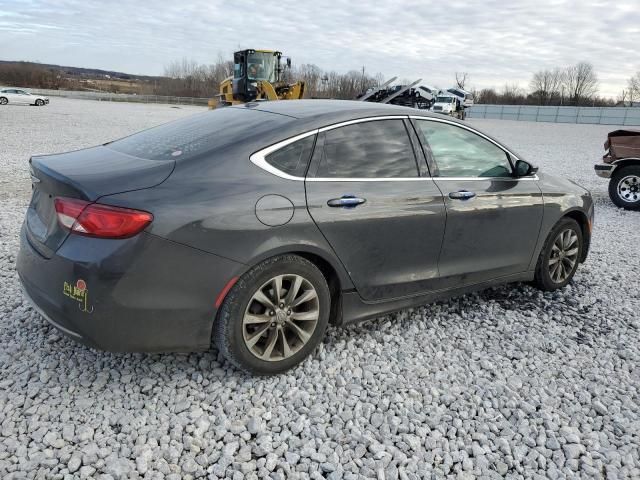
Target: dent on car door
(493,217)
(383,220)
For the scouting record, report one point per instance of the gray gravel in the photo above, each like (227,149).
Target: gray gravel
(507,382)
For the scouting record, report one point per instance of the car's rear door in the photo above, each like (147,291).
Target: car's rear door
(12,96)
(493,217)
(383,219)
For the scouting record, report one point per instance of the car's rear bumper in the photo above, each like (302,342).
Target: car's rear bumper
(142,294)
(604,170)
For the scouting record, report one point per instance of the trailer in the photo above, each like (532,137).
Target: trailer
(452,101)
(405,95)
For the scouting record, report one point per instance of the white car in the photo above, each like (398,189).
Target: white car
(17,96)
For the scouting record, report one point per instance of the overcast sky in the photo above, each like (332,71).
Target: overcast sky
(495,41)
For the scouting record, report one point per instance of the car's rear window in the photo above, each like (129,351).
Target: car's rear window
(189,137)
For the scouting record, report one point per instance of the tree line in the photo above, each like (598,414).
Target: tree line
(25,74)
(573,85)
(187,78)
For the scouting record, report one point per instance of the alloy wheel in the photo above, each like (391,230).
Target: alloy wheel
(281,317)
(564,255)
(629,188)
(3,101)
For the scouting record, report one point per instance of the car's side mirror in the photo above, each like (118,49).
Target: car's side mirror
(524,169)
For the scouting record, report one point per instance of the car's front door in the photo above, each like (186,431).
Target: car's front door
(24,97)
(384,221)
(493,217)
(21,97)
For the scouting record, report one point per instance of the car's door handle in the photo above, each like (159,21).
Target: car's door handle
(346,201)
(462,195)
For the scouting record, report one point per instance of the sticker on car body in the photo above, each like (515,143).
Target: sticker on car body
(79,293)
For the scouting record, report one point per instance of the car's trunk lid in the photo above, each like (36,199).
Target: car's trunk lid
(86,174)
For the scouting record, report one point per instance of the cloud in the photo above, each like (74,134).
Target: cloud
(496,42)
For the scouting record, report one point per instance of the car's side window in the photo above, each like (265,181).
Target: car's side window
(293,159)
(371,149)
(458,152)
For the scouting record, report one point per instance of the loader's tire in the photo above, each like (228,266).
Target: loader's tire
(624,187)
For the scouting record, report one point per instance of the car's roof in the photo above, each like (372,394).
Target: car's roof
(305,115)
(331,110)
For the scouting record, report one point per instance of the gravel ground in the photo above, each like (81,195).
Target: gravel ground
(507,382)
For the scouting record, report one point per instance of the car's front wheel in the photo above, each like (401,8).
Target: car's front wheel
(274,316)
(4,100)
(39,103)
(560,256)
(624,187)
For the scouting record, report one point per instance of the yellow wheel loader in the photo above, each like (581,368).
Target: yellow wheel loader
(257,75)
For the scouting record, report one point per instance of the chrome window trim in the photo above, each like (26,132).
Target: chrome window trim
(362,120)
(464,179)
(259,158)
(369,179)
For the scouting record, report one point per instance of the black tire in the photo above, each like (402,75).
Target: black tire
(543,279)
(630,175)
(4,100)
(228,327)
(39,103)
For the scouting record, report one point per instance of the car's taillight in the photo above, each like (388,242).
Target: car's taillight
(97,220)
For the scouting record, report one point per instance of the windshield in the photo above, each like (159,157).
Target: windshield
(443,100)
(262,66)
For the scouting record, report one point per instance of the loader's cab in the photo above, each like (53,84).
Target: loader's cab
(257,75)
(250,67)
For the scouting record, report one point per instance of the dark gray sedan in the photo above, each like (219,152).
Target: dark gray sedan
(255,226)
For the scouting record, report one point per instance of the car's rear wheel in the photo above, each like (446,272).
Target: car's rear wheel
(560,256)
(624,187)
(274,316)
(4,100)
(39,103)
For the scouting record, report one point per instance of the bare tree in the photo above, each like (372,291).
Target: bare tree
(580,82)
(623,97)
(487,96)
(545,85)
(513,94)
(633,87)
(461,79)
